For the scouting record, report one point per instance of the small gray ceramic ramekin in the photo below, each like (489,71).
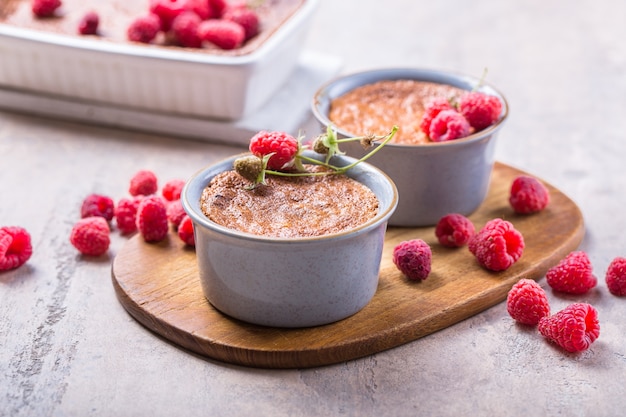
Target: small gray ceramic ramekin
(283,282)
(433,179)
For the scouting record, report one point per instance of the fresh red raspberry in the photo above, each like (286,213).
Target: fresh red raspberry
(481,110)
(185,29)
(498,245)
(572,275)
(166,11)
(616,276)
(528,195)
(15,247)
(218,7)
(98,205)
(574,328)
(144,29)
(201,8)
(144,182)
(44,8)
(224,34)
(454,230)
(88,25)
(91,236)
(527,302)
(431,110)
(126,214)
(152,218)
(185,231)
(448,125)
(284,146)
(247,18)
(172,189)
(175,212)
(413,258)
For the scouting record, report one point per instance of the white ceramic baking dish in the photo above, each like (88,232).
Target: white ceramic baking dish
(158,79)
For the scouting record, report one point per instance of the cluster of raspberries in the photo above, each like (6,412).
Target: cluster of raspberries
(186,23)
(444,120)
(144,211)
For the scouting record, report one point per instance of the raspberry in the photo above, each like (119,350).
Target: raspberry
(172,189)
(247,18)
(448,125)
(175,212)
(498,245)
(185,29)
(572,275)
(431,110)
(152,219)
(44,8)
(201,8)
(15,247)
(98,205)
(284,146)
(88,25)
(217,7)
(185,231)
(574,328)
(224,34)
(91,236)
(481,110)
(126,214)
(616,276)
(454,230)
(166,11)
(144,29)
(528,195)
(143,182)
(413,258)
(249,166)
(527,302)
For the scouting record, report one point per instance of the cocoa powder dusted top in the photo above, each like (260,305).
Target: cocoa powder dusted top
(372,108)
(289,207)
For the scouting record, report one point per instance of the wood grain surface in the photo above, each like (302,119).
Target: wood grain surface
(158,285)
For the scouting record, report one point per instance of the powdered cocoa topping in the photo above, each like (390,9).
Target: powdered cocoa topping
(289,207)
(116,16)
(375,108)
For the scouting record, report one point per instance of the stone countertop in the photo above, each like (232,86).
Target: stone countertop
(68,348)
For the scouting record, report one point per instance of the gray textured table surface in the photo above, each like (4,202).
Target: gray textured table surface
(68,348)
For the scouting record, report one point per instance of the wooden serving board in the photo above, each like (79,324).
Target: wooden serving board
(158,284)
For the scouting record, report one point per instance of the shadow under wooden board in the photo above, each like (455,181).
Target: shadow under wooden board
(158,284)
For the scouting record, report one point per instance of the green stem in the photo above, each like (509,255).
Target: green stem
(367,156)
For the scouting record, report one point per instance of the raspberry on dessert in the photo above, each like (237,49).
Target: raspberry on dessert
(166,11)
(152,218)
(527,302)
(528,195)
(44,8)
(98,205)
(250,167)
(185,231)
(574,328)
(246,17)
(144,29)
(498,245)
(431,110)
(15,247)
(454,230)
(481,110)
(185,29)
(126,214)
(172,189)
(448,125)
(224,34)
(283,146)
(175,212)
(413,258)
(572,275)
(91,236)
(616,276)
(144,182)
(88,25)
